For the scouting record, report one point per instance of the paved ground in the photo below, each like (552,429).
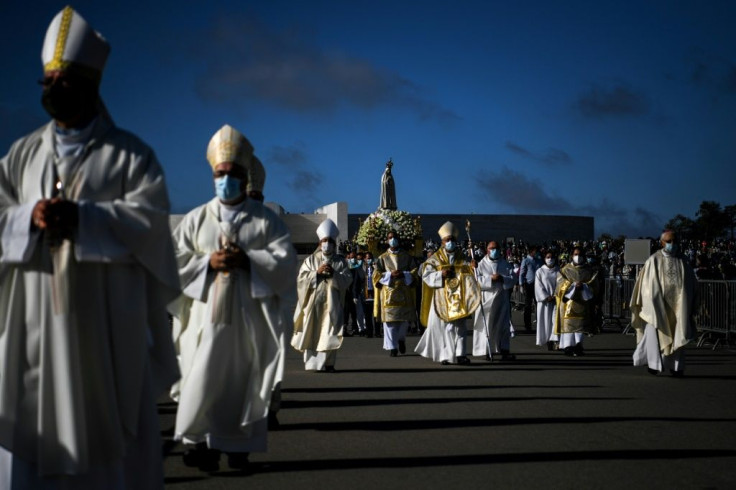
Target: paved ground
(543,421)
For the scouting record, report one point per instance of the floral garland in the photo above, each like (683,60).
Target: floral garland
(376,226)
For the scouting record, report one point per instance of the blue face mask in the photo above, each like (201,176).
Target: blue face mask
(227,188)
(450,246)
(494,254)
(393,242)
(369,261)
(670,248)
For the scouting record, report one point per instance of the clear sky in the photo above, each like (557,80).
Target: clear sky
(620,110)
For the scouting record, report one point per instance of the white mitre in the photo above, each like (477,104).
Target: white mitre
(229,145)
(448,229)
(256,175)
(327,229)
(72,43)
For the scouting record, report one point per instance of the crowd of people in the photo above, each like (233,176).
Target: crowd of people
(90,269)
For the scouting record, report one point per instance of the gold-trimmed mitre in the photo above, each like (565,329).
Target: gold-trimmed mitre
(71,43)
(448,229)
(256,175)
(229,145)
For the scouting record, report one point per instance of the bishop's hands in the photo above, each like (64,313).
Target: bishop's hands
(57,216)
(448,273)
(325,270)
(229,258)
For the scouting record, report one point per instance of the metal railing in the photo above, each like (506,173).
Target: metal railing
(715,314)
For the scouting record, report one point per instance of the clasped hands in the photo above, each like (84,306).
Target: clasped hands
(56,215)
(325,270)
(229,258)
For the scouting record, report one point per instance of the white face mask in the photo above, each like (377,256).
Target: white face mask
(550,262)
(577,259)
(328,248)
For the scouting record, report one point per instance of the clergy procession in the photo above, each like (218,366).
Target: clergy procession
(91,274)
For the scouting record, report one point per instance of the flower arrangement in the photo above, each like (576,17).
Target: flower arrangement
(376,226)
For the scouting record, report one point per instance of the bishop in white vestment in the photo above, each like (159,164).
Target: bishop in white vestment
(323,279)
(236,262)
(86,270)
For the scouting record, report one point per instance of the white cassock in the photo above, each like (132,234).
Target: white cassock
(545,284)
(228,327)
(492,320)
(318,316)
(85,344)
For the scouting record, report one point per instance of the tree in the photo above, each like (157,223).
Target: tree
(712,221)
(683,226)
(731,213)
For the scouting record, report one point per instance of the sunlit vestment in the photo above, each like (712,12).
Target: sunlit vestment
(663,299)
(492,320)
(396,299)
(228,328)
(574,304)
(446,306)
(318,316)
(545,284)
(85,344)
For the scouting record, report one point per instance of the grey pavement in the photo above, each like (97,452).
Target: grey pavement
(542,421)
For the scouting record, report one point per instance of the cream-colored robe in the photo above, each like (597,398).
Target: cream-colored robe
(318,316)
(230,357)
(664,296)
(77,383)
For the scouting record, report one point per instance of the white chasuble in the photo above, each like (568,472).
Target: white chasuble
(228,328)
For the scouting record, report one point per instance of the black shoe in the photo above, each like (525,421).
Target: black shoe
(210,461)
(402,346)
(445,363)
(578,350)
(550,345)
(569,352)
(273,421)
(653,372)
(238,461)
(677,374)
(329,369)
(462,360)
(393,353)
(194,454)
(489,358)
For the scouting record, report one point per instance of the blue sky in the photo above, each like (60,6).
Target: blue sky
(621,110)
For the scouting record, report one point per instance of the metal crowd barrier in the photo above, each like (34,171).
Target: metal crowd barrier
(715,315)
(616,299)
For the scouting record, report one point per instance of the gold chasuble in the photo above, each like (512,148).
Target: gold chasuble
(458,297)
(575,314)
(396,302)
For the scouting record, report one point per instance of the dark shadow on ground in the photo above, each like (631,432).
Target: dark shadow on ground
(296,404)
(490,459)
(408,425)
